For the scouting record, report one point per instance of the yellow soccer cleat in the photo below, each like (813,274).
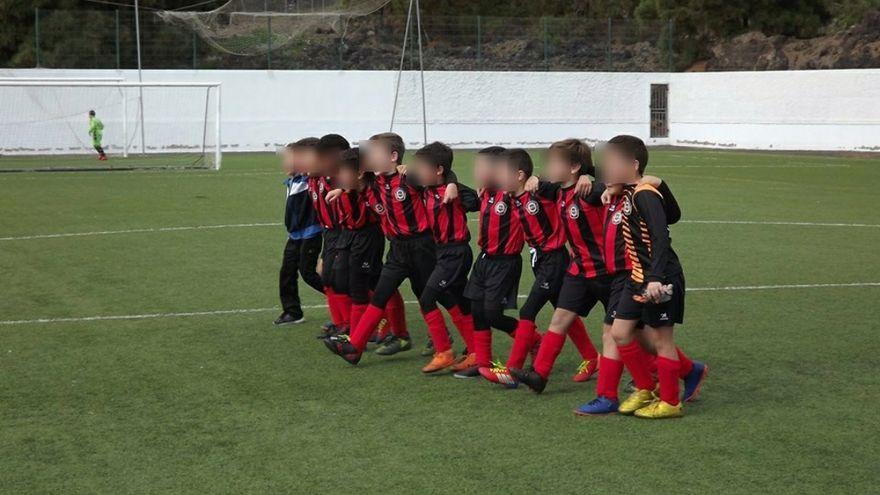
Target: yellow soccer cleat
(660,410)
(636,400)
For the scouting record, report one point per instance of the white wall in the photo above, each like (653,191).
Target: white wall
(809,110)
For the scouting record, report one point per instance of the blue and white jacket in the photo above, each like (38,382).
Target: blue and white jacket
(299,213)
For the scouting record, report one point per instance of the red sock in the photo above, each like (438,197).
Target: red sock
(483,345)
(397,315)
(610,371)
(437,330)
(522,343)
(633,356)
(331,306)
(577,332)
(551,346)
(667,373)
(361,334)
(686,364)
(357,311)
(344,307)
(465,325)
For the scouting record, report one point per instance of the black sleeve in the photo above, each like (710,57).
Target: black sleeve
(650,207)
(468,197)
(547,189)
(595,196)
(673,212)
(449,176)
(412,182)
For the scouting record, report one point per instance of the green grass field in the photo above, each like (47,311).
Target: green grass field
(137,353)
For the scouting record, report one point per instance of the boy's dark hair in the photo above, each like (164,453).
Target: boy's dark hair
(394,143)
(306,142)
(437,154)
(633,148)
(492,151)
(576,151)
(91,113)
(351,159)
(332,142)
(519,159)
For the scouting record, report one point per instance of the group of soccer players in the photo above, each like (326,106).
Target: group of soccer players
(591,241)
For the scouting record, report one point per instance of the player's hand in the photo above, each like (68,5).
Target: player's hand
(654,291)
(532,184)
(333,195)
(651,180)
(583,186)
(401,169)
(610,192)
(451,193)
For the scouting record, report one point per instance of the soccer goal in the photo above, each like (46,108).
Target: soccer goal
(45,125)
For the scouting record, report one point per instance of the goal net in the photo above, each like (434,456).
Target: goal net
(44,125)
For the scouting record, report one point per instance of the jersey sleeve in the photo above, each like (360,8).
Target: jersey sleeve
(673,212)
(650,207)
(547,189)
(468,197)
(595,196)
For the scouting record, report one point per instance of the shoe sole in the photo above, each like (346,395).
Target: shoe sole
(431,372)
(696,395)
(583,414)
(665,417)
(286,323)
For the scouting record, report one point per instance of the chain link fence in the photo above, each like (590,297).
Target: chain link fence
(104,39)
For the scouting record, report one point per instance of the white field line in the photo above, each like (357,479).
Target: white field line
(278,224)
(147,316)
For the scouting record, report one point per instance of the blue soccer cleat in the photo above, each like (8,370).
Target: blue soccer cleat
(597,407)
(694,381)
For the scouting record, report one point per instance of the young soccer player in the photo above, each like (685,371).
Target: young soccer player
(586,282)
(96,131)
(654,292)
(542,227)
(322,159)
(360,247)
(448,219)
(494,280)
(404,221)
(303,241)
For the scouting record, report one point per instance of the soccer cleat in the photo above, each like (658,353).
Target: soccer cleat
(693,381)
(289,319)
(392,345)
(635,401)
(327,330)
(597,407)
(465,361)
(660,410)
(586,370)
(428,350)
(498,373)
(531,378)
(440,361)
(342,347)
(470,372)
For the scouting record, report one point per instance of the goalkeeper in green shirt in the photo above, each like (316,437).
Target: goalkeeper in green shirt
(96,130)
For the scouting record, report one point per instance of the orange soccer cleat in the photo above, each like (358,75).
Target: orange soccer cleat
(440,361)
(465,362)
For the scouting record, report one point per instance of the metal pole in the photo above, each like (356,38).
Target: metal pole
(479,42)
(217,153)
(608,46)
(118,56)
(195,40)
(400,70)
(422,75)
(546,46)
(124,122)
(137,35)
(669,48)
(37,35)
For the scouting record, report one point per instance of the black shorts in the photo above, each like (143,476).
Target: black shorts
(549,268)
(412,258)
(328,255)
(361,251)
(495,279)
(580,294)
(654,315)
(451,270)
(617,286)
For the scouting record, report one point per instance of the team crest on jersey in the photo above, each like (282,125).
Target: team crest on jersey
(379,208)
(501,208)
(314,196)
(627,206)
(399,194)
(617,217)
(532,207)
(574,211)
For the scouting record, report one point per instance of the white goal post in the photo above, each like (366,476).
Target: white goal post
(45,118)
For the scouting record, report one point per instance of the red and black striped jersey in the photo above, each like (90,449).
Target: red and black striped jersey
(614,244)
(398,205)
(500,232)
(449,221)
(319,186)
(540,220)
(352,210)
(583,222)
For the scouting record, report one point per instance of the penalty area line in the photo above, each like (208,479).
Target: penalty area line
(218,312)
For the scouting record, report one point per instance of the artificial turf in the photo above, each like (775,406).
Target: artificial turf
(227,403)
